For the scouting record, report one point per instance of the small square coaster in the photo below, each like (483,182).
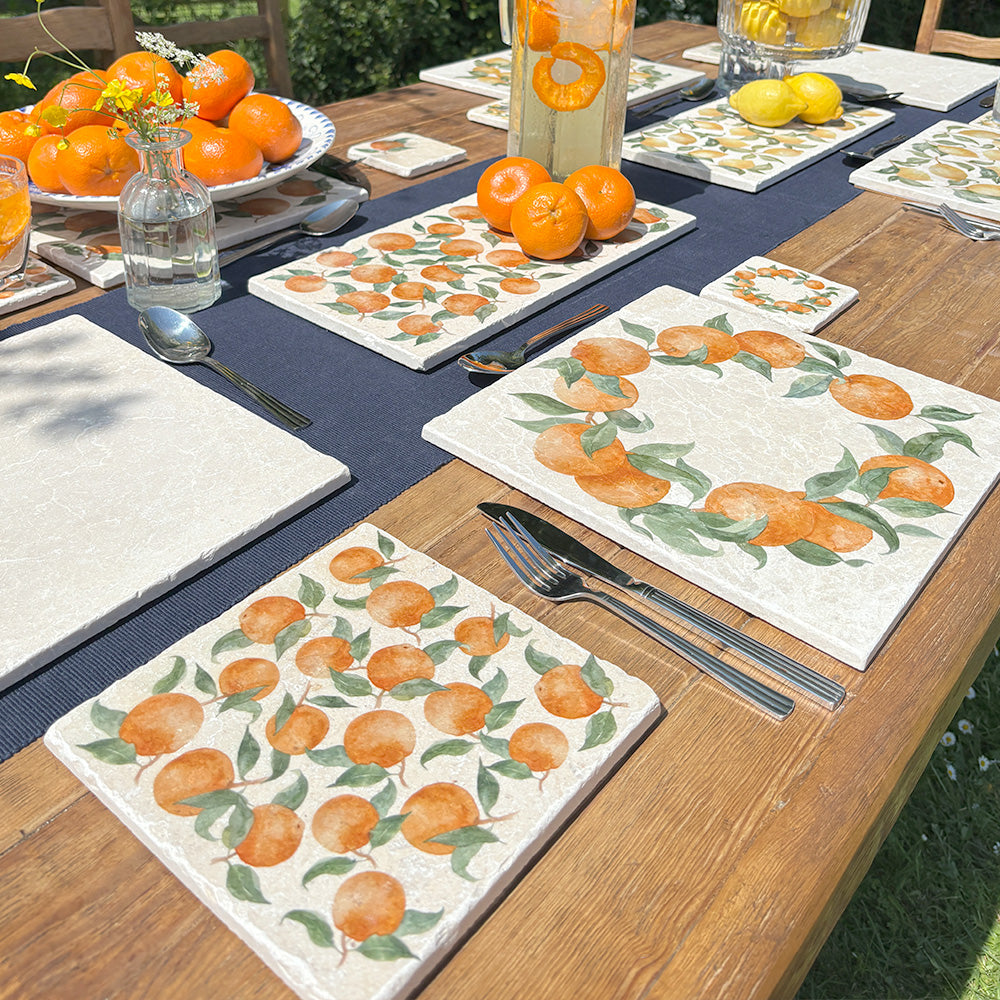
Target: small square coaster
(39,282)
(406,154)
(788,295)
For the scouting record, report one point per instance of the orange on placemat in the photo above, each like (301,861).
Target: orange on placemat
(14,140)
(217,97)
(270,123)
(95,162)
(549,220)
(502,183)
(222,156)
(147,72)
(42,164)
(76,95)
(609,197)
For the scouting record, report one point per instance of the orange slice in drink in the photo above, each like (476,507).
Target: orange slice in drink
(579,93)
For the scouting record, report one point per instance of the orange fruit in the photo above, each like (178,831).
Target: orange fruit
(399,603)
(776,349)
(543,24)
(216,98)
(380,737)
(95,162)
(194,124)
(266,617)
(625,486)
(351,565)
(274,836)
(249,673)
(76,95)
(679,341)
(193,773)
(836,533)
(502,183)
(222,156)
(42,164)
(162,723)
(147,72)
(344,823)
(558,448)
(436,809)
(913,479)
(303,730)
(872,396)
(394,665)
(539,746)
(477,638)
(549,221)
(788,517)
(269,123)
(317,657)
(14,140)
(562,691)
(369,903)
(460,710)
(609,197)
(584,395)
(611,356)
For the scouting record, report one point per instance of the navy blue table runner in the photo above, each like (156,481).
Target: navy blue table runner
(368,411)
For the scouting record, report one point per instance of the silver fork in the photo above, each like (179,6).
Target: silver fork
(966,226)
(536,569)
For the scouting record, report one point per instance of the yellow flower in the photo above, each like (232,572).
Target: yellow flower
(22,79)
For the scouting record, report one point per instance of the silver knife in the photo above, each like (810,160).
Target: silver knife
(576,554)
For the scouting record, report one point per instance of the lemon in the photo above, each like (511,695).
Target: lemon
(820,94)
(767,102)
(803,8)
(761,22)
(821,31)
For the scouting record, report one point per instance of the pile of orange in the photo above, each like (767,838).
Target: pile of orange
(550,220)
(69,147)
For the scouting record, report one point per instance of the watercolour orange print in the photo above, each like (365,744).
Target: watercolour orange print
(428,287)
(810,485)
(351,765)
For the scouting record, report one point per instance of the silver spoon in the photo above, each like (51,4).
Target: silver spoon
(322,221)
(176,338)
(695,92)
(502,362)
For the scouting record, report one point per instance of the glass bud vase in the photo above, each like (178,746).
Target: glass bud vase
(167,227)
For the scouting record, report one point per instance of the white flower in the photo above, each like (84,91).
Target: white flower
(952,773)
(996,848)
(964,725)
(971,694)
(923,837)
(948,740)
(984,763)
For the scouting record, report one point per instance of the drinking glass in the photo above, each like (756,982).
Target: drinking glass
(15,217)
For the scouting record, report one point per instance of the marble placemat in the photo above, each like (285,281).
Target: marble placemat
(713,143)
(350,767)
(489,75)
(38,283)
(406,154)
(812,486)
(428,287)
(87,242)
(937,82)
(780,294)
(950,163)
(121,478)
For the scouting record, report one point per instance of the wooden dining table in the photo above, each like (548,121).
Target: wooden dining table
(716,860)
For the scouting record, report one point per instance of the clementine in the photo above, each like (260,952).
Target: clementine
(42,164)
(222,156)
(609,197)
(216,97)
(549,221)
(14,140)
(95,162)
(76,95)
(148,72)
(502,183)
(270,123)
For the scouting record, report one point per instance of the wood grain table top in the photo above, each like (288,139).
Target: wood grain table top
(717,859)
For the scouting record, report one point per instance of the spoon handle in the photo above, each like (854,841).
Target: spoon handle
(289,417)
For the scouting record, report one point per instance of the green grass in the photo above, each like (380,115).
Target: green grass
(925,922)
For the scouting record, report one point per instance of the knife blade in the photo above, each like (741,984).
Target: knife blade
(572,551)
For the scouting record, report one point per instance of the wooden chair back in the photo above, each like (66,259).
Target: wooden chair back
(105,27)
(266,25)
(930,38)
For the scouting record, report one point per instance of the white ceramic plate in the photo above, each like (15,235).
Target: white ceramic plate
(318,133)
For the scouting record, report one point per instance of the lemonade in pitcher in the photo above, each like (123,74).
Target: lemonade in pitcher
(15,216)
(569,81)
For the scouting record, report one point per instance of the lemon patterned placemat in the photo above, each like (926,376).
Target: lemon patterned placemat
(714,143)
(489,75)
(352,765)
(426,288)
(86,242)
(949,163)
(813,486)
(38,283)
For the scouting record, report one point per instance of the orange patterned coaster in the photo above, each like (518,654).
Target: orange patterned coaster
(352,765)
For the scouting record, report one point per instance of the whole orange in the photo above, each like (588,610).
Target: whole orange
(609,197)
(217,97)
(14,140)
(95,162)
(502,183)
(222,156)
(42,164)
(270,123)
(148,72)
(549,221)
(76,95)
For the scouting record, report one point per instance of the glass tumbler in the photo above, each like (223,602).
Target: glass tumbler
(15,217)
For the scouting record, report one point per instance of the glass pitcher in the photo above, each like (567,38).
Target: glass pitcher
(569,80)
